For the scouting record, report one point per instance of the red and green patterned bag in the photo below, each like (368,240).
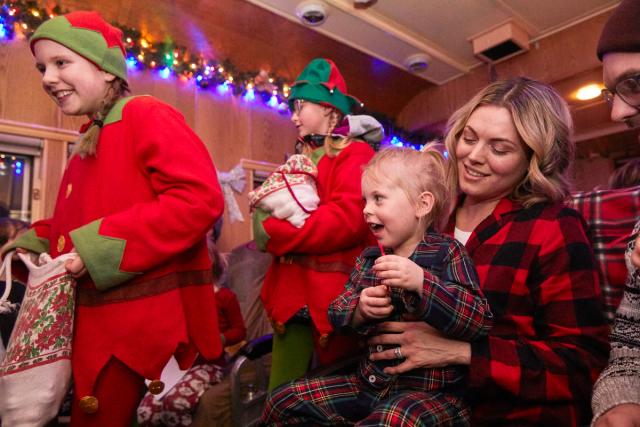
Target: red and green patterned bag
(35,372)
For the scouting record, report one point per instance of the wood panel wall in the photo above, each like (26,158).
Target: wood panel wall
(230,128)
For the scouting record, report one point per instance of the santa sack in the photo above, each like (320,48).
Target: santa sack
(290,192)
(35,372)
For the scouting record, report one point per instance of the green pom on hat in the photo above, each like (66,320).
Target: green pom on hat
(321,82)
(88,35)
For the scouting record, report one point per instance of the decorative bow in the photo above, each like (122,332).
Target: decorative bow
(231,181)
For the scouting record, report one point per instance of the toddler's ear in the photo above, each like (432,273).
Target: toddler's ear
(108,77)
(425,204)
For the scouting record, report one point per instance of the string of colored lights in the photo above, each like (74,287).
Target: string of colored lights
(20,18)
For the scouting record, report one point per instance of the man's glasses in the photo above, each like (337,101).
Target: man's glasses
(628,90)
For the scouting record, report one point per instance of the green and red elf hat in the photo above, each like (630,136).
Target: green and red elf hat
(322,83)
(88,35)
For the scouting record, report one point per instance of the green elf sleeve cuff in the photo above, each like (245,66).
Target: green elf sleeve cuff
(316,155)
(102,255)
(259,234)
(29,241)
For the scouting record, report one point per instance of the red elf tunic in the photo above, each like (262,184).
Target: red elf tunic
(137,213)
(313,263)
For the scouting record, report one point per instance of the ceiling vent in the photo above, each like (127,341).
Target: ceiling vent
(500,43)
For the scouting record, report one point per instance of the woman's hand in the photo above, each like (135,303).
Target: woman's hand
(421,345)
(374,304)
(399,272)
(625,415)
(76,266)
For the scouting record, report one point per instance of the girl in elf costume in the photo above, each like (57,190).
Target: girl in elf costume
(135,202)
(312,263)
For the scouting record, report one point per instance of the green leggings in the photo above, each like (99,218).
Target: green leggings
(291,354)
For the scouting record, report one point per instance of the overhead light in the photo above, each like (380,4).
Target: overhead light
(312,12)
(417,63)
(588,92)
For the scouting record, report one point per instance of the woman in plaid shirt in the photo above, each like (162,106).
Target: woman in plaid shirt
(510,149)
(414,272)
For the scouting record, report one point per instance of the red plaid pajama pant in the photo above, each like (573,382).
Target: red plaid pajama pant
(351,400)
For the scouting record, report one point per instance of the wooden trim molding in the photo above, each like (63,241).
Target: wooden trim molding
(258,165)
(37,131)
(48,166)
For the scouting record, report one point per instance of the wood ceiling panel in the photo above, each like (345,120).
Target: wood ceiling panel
(253,39)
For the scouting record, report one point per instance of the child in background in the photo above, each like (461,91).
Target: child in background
(414,273)
(312,263)
(136,199)
(178,405)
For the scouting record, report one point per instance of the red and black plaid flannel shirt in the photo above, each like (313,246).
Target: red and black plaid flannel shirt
(451,302)
(610,217)
(549,337)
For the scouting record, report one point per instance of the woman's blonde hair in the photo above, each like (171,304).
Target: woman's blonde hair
(543,122)
(88,141)
(414,172)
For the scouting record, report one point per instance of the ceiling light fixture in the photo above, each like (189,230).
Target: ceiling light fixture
(312,12)
(588,92)
(417,63)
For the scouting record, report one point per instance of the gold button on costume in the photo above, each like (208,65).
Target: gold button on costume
(69,189)
(61,243)
(156,387)
(89,404)
(323,340)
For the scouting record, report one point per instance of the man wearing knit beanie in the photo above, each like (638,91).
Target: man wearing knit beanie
(619,51)
(616,394)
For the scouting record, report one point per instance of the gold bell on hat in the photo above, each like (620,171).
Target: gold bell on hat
(89,404)
(156,387)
